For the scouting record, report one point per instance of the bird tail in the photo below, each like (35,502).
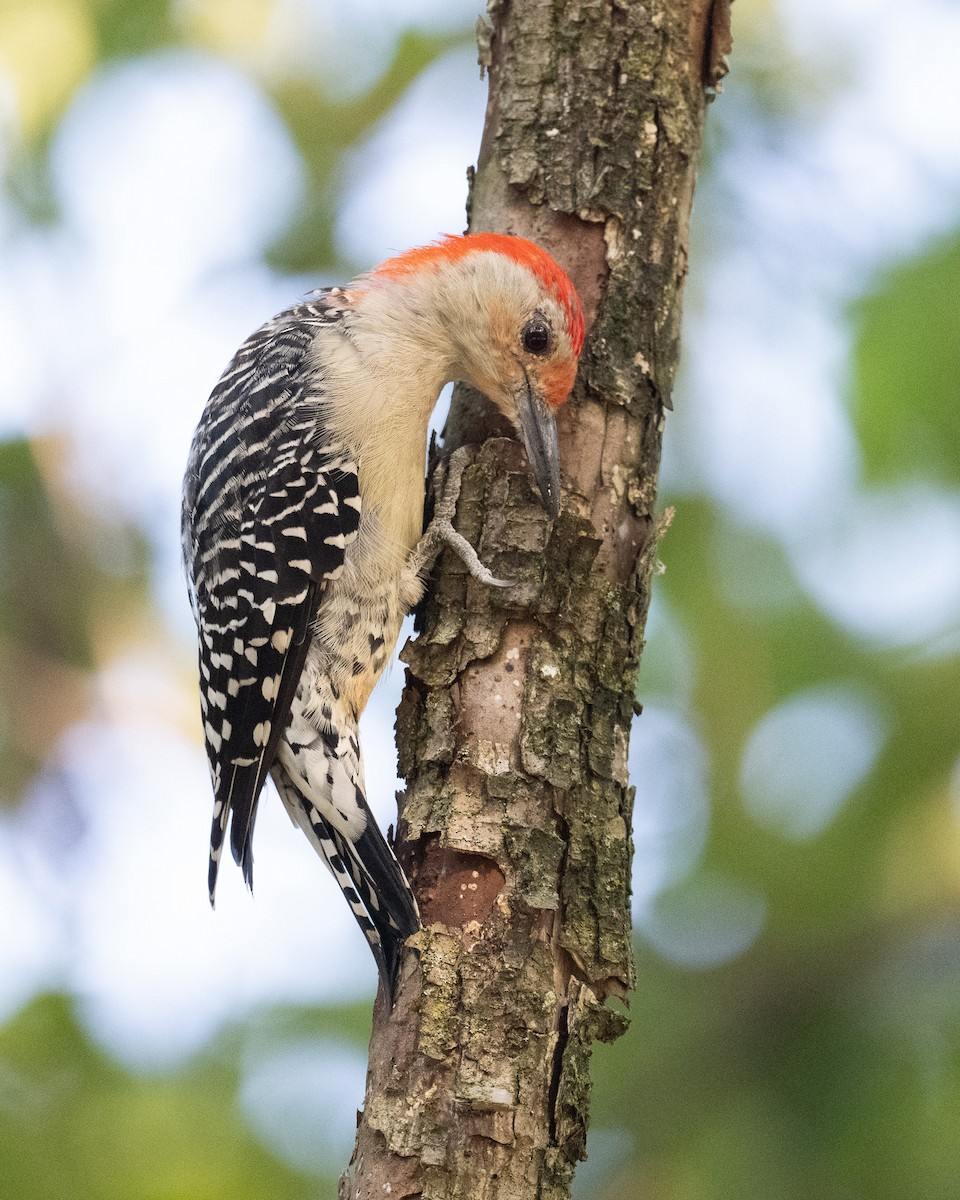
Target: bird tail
(367,872)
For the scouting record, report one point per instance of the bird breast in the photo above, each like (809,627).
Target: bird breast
(359,615)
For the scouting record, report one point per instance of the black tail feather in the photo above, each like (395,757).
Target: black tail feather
(382,889)
(368,874)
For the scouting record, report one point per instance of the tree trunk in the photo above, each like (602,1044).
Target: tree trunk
(514,726)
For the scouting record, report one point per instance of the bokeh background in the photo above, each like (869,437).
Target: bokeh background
(174,171)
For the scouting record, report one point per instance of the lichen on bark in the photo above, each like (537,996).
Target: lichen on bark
(514,727)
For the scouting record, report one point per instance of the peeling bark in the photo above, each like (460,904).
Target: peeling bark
(513,729)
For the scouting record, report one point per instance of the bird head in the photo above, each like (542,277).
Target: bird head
(510,324)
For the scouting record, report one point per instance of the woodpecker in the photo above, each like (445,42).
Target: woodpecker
(302,520)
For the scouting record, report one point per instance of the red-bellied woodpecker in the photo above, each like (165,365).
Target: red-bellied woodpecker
(302,519)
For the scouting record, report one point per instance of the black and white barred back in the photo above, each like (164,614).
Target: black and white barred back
(270,510)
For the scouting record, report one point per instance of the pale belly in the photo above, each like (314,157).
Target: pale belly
(358,622)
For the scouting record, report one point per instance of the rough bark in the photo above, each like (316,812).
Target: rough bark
(514,726)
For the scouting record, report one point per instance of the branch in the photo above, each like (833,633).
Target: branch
(514,726)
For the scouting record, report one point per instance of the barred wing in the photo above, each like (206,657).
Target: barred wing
(268,514)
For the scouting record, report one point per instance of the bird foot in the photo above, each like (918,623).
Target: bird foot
(448,479)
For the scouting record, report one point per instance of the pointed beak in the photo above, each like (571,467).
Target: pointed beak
(538,429)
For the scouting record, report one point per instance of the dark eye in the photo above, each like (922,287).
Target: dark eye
(536,337)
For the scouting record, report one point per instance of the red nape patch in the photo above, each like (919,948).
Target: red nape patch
(451,247)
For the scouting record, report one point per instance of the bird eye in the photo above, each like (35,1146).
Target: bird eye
(536,337)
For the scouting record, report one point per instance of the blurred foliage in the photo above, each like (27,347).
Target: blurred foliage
(325,129)
(908,368)
(50,47)
(73,1123)
(60,572)
(825,1059)
(830,1072)
(753,656)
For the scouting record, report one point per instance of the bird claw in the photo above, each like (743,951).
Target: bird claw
(447,535)
(447,481)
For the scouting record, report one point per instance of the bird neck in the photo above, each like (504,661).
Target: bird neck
(382,378)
